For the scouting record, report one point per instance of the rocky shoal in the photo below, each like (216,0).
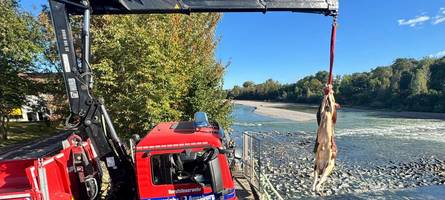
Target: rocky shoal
(288,164)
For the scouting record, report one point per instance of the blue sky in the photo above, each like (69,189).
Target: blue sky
(289,46)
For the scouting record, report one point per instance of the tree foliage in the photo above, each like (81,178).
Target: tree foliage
(153,68)
(20,45)
(407,84)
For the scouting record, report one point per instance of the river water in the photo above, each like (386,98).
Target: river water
(381,155)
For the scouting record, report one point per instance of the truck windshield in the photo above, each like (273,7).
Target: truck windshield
(180,168)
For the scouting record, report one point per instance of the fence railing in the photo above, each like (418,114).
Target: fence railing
(253,167)
(252,160)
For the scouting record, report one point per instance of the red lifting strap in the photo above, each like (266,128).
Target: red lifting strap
(331,63)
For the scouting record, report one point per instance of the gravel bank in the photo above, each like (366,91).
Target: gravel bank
(277,110)
(287,160)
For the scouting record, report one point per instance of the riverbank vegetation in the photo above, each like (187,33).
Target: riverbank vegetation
(407,84)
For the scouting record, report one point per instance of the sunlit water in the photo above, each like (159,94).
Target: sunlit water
(364,138)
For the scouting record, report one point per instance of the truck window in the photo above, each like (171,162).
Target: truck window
(180,168)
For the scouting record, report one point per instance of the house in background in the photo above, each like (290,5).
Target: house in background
(32,111)
(40,107)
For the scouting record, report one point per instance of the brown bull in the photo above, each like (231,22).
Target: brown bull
(325,148)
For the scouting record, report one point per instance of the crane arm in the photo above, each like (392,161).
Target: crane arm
(327,7)
(87,113)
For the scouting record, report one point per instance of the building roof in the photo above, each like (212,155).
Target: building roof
(40,77)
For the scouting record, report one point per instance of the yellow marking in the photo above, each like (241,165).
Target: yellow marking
(16,112)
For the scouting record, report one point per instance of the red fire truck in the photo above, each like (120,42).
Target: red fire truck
(175,160)
(184,159)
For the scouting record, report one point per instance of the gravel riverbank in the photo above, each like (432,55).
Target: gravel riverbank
(287,160)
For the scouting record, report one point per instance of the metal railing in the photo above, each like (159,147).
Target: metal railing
(267,186)
(252,162)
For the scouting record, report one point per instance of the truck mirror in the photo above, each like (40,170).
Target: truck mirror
(217,180)
(133,141)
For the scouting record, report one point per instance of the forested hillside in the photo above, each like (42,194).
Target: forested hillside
(407,84)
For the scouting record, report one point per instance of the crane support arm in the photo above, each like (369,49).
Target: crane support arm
(327,7)
(88,114)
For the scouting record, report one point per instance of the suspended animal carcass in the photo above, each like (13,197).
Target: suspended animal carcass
(325,148)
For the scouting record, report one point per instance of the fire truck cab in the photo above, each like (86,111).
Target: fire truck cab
(184,160)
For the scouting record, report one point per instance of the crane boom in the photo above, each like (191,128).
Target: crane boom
(327,7)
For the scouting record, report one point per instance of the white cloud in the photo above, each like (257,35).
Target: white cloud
(413,22)
(438,20)
(438,54)
(423,17)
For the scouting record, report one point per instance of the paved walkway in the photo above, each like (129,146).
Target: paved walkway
(242,187)
(35,149)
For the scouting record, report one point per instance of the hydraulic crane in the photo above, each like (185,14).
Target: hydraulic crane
(88,114)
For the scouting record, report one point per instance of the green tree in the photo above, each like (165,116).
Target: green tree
(153,68)
(398,67)
(20,45)
(345,90)
(405,82)
(235,91)
(419,84)
(248,84)
(437,71)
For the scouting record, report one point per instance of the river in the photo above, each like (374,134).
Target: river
(380,154)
